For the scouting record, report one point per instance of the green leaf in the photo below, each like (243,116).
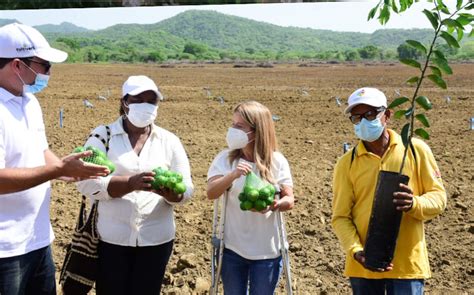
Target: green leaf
(438,81)
(398,101)
(458,4)
(408,112)
(372,12)
(404,134)
(416,45)
(432,18)
(422,133)
(443,65)
(439,54)
(413,80)
(460,34)
(463,20)
(468,16)
(403,6)
(471,34)
(435,71)
(384,15)
(470,6)
(449,39)
(410,62)
(424,102)
(422,118)
(394,6)
(450,30)
(442,7)
(452,23)
(400,113)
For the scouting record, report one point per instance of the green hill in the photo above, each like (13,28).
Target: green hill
(209,35)
(63,28)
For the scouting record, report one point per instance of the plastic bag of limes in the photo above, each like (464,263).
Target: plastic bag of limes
(257,194)
(97,157)
(165,178)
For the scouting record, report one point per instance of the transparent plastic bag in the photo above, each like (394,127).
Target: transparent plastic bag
(257,194)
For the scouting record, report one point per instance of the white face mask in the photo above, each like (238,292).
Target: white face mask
(142,114)
(236,138)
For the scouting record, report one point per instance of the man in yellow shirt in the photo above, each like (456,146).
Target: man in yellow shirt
(354,183)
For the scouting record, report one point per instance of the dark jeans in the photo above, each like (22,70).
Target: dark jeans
(131,270)
(242,276)
(30,273)
(392,286)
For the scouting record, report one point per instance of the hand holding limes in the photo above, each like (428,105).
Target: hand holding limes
(97,157)
(165,179)
(242,168)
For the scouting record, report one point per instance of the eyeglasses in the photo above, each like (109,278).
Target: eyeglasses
(369,115)
(46,65)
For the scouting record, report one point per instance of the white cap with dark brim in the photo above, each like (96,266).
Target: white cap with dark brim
(366,95)
(138,84)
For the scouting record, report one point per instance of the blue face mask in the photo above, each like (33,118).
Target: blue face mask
(41,82)
(369,130)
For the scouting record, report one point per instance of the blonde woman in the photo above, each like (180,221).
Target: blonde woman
(252,260)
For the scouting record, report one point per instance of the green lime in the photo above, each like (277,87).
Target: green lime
(179,188)
(96,152)
(271,188)
(246,205)
(242,206)
(158,171)
(252,195)
(168,173)
(242,197)
(110,165)
(269,200)
(264,193)
(171,183)
(260,205)
(161,180)
(179,176)
(155,184)
(78,149)
(247,189)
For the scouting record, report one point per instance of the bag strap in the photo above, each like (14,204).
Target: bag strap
(92,219)
(104,141)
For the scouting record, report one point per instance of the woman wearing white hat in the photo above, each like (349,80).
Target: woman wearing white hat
(135,223)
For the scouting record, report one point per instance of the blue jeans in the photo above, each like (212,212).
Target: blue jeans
(362,286)
(239,273)
(30,273)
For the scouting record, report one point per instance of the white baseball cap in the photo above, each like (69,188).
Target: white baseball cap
(366,95)
(138,84)
(19,41)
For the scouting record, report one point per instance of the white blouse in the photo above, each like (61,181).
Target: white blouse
(140,218)
(252,235)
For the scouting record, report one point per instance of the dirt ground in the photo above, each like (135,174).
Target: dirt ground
(311,131)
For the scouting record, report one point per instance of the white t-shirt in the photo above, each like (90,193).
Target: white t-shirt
(252,235)
(139,218)
(24,216)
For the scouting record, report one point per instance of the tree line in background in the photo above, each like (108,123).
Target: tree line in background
(93,51)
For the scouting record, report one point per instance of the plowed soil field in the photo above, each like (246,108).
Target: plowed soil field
(311,131)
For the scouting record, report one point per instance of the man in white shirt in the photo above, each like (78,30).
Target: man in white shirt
(27,165)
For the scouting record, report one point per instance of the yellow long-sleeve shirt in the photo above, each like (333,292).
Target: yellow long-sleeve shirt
(354,188)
